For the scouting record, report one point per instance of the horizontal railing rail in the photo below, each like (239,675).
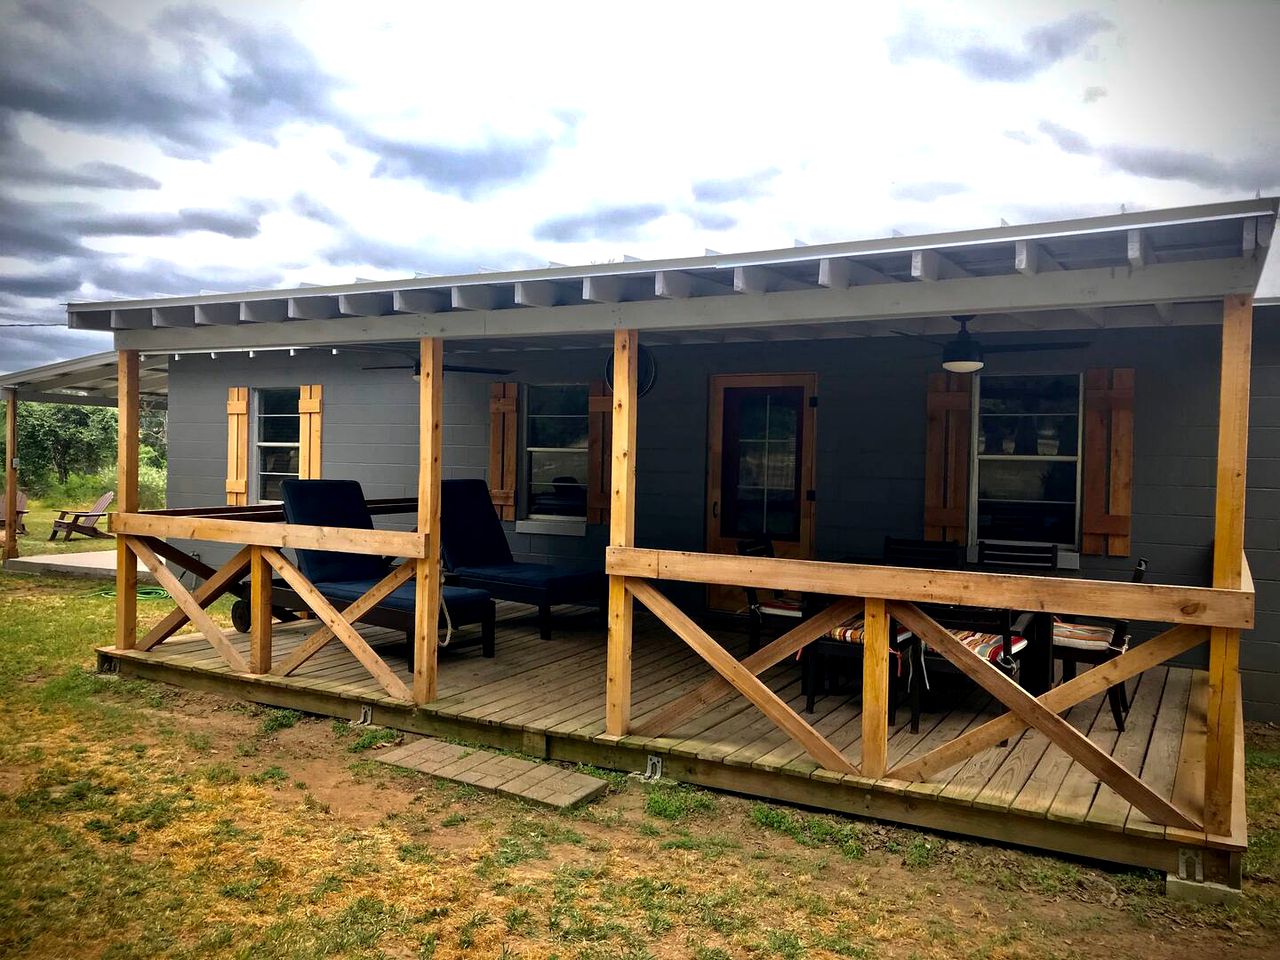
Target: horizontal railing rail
(1159,603)
(272,533)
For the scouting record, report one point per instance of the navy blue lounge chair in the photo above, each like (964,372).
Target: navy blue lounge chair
(345,577)
(476,554)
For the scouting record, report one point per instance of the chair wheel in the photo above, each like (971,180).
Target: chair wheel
(241,619)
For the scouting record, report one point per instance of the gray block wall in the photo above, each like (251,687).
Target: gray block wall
(870,445)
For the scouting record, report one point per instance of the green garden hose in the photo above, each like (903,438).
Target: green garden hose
(144,593)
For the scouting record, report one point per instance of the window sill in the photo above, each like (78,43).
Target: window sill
(554,528)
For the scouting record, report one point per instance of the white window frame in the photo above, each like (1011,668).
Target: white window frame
(1068,552)
(256,443)
(528,521)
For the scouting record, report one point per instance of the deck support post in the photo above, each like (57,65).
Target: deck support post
(10,473)
(875,689)
(427,584)
(126,496)
(1228,560)
(622,531)
(260,612)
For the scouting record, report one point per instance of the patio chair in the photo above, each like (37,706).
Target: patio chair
(344,577)
(844,643)
(476,554)
(1095,641)
(995,634)
(83,521)
(777,605)
(21,525)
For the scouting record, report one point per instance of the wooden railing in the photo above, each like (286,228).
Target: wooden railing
(261,533)
(883,594)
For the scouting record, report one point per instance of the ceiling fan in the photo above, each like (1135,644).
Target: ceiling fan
(964,354)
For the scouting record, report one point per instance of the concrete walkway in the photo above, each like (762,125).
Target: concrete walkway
(94,564)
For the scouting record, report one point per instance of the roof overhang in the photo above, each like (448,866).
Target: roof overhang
(1154,268)
(89,381)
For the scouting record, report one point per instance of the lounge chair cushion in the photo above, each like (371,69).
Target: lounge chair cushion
(568,579)
(471,534)
(465,605)
(332,503)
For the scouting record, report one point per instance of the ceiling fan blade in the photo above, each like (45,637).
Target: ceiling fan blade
(1034,347)
(921,336)
(458,368)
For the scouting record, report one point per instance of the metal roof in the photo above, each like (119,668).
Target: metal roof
(1064,273)
(89,381)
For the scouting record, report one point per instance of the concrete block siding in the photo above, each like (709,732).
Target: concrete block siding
(870,436)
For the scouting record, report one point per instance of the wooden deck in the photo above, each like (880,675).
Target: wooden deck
(546,699)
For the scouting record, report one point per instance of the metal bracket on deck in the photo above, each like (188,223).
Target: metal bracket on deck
(1190,861)
(366,716)
(653,768)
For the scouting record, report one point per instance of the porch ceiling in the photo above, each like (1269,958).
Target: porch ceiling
(1145,269)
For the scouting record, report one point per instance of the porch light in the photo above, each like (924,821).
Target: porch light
(962,355)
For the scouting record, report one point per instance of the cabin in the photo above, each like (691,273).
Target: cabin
(1079,390)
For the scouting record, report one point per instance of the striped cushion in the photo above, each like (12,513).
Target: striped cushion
(1081,636)
(852,632)
(989,646)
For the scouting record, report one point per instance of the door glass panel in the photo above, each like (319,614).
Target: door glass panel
(760,472)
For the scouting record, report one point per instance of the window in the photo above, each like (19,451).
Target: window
(556,451)
(277,448)
(1027,459)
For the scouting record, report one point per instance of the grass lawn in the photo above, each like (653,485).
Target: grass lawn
(138,820)
(40,525)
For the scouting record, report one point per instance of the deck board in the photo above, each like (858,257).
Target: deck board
(554,689)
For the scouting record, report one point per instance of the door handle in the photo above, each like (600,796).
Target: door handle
(715,509)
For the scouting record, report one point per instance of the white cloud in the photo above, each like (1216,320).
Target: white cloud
(807,107)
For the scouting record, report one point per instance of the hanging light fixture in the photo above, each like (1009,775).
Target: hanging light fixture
(963,354)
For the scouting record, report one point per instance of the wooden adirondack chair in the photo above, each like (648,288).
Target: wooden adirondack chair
(22,512)
(83,521)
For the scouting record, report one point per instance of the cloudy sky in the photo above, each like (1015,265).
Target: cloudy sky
(151,148)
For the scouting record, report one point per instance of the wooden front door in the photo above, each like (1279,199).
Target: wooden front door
(760,477)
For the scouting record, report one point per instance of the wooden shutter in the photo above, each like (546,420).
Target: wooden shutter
(238,446)
(599,452)
(309,431)
(946,463)
(1108,463)
(503,435)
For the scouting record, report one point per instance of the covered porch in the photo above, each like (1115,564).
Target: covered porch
(668,682)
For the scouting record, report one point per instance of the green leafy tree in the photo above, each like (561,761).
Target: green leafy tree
(61,439)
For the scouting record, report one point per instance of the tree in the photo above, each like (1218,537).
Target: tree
(64,439)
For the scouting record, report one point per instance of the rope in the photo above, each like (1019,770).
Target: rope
(444,608)
(144,593)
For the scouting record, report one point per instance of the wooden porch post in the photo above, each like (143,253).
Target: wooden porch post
(126,496)
(1228,559)
(427,590)
(622,531)
(875,689)
(10,473)
(260,612)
